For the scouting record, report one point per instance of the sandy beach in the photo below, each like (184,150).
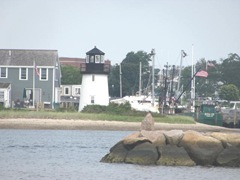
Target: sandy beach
(63,124)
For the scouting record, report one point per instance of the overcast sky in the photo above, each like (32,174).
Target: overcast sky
(73,27)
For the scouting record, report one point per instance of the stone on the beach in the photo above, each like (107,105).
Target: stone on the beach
(148,123)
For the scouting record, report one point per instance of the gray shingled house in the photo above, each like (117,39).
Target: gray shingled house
(33,76)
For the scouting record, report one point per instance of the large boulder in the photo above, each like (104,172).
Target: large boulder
(156,137)
(145,154)
(172,155)
(173,137)
(227,138)
(230,157)
(202,149)
(117,154)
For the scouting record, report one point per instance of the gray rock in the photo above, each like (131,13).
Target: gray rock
(203,150)
(117,154)
(145,154)
(172,155)
(148,123)
(173,137)
(230,157)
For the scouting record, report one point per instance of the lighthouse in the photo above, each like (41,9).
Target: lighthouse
(95,70)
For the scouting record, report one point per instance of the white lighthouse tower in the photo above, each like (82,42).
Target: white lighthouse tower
(95,70)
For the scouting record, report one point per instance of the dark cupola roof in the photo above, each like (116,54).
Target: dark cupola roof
(95,51)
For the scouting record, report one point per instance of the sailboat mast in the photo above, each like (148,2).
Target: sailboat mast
(153,66)
(193,82)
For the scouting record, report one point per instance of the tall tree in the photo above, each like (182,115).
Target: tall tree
(70,75)
(230,70)
(130,74)
(130,71)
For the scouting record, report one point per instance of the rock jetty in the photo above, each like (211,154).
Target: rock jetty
(177,148)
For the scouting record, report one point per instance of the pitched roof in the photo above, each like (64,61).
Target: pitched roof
(71,61)
(21,57)
(94,51)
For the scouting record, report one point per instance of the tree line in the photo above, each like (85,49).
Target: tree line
(223,79)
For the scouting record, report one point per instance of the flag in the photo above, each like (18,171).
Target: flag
(36,70)
(210,64)
(184,54)
(202,74)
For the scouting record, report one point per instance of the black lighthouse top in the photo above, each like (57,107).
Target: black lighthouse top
(95,63)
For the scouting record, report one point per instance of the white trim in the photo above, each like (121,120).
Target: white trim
(49,67)
(53,88)
(69,90)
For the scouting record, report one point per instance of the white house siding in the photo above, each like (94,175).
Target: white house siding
(97,88)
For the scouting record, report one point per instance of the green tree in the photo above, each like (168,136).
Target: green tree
(230,70)
(229,92)
(70,75)
(130,74)
(114,81)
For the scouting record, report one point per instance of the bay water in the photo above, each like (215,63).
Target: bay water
(76,154)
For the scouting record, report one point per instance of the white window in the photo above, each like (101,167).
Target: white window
(102,58)
(87,59)
(44,74)
(91,59)
(97,58)
(66,91)
(3,72)
(23,74)
(77,91)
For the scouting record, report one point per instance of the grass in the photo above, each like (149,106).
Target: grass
(14,114)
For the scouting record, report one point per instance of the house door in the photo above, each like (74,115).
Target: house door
(38,95)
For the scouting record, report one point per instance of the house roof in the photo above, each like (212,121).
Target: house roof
(71,61)
(4,85)
(22,57)
(95,51)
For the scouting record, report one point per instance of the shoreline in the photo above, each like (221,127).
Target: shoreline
(64,124)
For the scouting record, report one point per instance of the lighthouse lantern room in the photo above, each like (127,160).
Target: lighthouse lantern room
(95,70)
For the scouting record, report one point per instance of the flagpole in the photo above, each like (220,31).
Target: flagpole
(193,83)
(33,95)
